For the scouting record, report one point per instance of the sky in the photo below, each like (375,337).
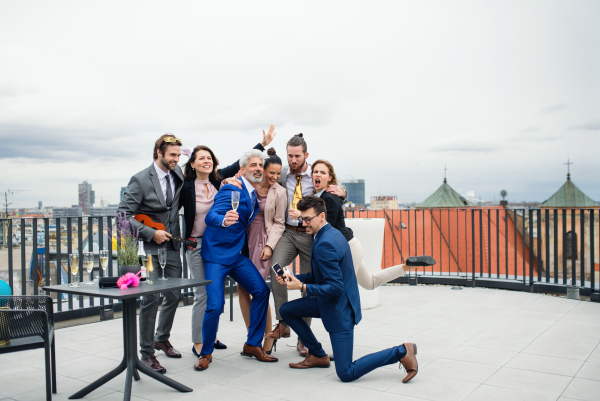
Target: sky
(500,92)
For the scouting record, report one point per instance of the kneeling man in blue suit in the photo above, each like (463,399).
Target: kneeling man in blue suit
(332,295)
(222,254)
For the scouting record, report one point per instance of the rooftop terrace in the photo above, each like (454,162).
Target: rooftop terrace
(474,344)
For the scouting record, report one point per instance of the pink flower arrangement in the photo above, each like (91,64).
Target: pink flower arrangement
(129,280)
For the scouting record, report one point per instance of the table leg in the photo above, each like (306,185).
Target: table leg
(130,361)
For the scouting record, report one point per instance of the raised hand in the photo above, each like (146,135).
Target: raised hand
(268,137)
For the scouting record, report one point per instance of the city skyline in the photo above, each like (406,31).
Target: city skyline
(503,93)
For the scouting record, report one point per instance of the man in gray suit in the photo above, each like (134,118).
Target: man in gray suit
(154,191)
(296,178)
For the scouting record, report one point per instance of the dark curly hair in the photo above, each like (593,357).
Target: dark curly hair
(190,174)
(315,202)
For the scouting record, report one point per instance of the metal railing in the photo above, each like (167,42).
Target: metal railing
(47,243)
(496,247)
(519,249)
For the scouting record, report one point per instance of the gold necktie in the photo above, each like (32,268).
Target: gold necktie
(297,191)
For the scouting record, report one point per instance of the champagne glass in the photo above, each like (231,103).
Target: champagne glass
(162,260)
(88,262)
(103,261)
(235,200)
(147,261)
(291,201)
(74,262)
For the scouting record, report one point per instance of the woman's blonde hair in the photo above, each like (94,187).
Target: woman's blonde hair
(334,180)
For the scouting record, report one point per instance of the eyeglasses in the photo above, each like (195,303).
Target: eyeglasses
(171,139)
(306,220)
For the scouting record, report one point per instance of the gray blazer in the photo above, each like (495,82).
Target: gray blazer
(144,195)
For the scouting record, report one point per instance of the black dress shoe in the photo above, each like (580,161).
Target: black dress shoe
(424,260)
(220,345)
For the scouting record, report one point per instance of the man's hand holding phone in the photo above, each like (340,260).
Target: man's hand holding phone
(285,277)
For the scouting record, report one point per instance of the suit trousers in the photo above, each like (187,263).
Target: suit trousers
(196,266)
(364,277)
(342,342)
(149,306)
(245,273)
(291,244)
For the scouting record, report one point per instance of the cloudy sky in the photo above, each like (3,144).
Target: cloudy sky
(502,92)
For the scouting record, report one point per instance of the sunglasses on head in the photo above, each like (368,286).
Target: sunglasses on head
(171,139)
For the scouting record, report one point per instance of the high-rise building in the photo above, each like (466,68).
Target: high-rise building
(123,189)
(355,189)
(86,197)
(39,204)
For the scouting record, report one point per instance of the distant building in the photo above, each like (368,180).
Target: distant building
(87,197)
(384,202)
(39,204)
(59,212)
(444,196)
(356,191)
(108,210)
(123,189)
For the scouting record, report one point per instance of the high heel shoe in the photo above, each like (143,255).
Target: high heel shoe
(194,351)
(273,348)
(220,345)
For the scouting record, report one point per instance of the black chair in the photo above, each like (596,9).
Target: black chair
(27,322)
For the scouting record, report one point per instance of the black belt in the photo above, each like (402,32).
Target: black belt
(296,228)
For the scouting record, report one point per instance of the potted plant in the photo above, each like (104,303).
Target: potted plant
(127,244)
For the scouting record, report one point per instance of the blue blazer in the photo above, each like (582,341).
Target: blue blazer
(224,244)
(333,281)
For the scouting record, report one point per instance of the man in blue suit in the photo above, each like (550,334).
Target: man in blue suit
(332,295)
(222,254)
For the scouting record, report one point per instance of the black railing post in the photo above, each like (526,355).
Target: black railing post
(23,259)
(555,214)
(80,258)
(59,264)
(9,238)
(498,243)
(573,249)
(34,257)
(109,237)
(69,251)
(47,249)
(539,244)
(582,240)
(592,250)
(547,243)
(473,245)
(564,245)
(531,249)
(480,242)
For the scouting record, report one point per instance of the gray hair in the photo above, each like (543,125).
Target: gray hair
(250,154)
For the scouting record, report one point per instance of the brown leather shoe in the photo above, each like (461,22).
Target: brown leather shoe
(410,362)
(257,352)
(153,364)
(312,361)
(202,362)
(279,331)
(167,348)
(302,350)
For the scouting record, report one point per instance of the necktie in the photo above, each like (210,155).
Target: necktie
(169,191)
(297,191)
(254,201)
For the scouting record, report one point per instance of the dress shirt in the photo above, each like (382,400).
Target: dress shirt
(163,180)
(250,189)
(307,187)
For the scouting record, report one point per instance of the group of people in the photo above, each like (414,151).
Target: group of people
(283,212)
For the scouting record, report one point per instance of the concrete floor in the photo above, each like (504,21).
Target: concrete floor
(473,344)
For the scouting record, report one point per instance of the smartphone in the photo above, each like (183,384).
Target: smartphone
(280,271)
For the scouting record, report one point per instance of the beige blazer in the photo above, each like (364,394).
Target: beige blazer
(275,210)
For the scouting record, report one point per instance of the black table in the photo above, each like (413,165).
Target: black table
(130,360)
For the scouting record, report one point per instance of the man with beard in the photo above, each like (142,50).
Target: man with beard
(154,191)
(296,178)
(222,245)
